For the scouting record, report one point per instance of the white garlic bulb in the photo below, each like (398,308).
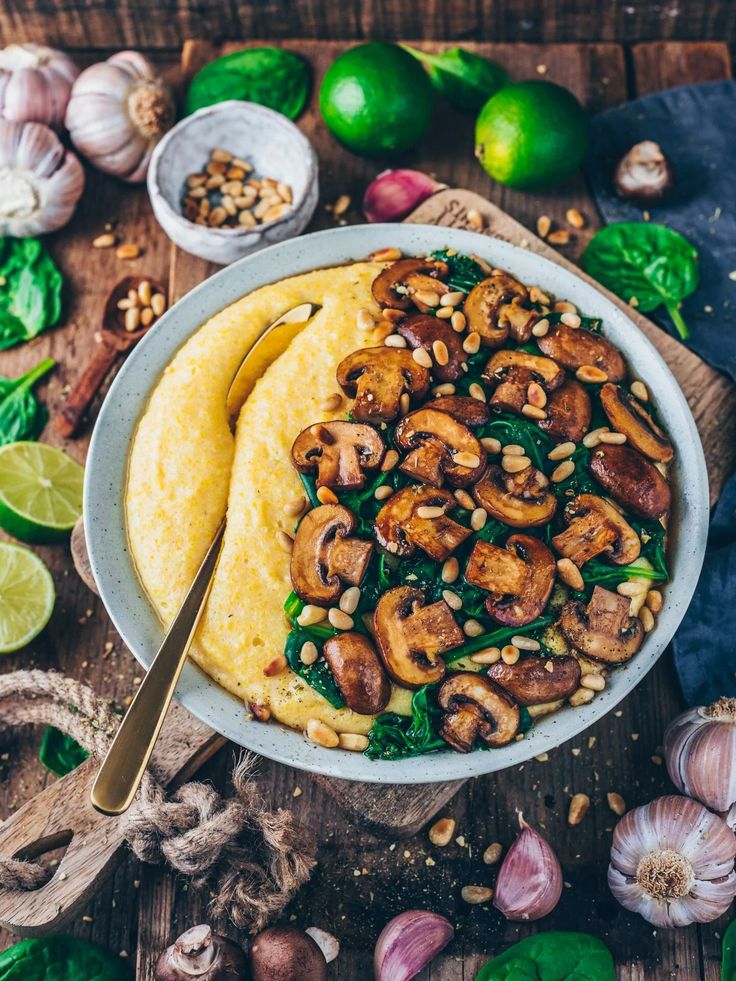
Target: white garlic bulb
(40,180)
(118,111)
(35,84)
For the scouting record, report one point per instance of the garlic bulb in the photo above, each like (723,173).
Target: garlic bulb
(35,82)
(672,862)
(700,748)
(118,111)
(529,883)
(40,180)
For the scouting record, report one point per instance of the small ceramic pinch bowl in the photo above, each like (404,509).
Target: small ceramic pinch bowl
(267,140)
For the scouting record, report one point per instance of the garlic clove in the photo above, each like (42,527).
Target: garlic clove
(408,943)
(395,193)
(529,883)
(35,83)
(700,750)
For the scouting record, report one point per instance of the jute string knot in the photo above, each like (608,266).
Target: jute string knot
(252,860)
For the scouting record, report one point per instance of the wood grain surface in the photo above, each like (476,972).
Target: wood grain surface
(362,879)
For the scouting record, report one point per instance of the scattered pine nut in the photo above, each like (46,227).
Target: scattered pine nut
(475,895)
(570,319)
(562,472)
(640,391)
(146,317)
(440,352)
(464,499)
(478,519)
(295,506)
(383,492)
(471,344)
(654,600)
(514,449)
(326,496)
(452,599)
(465,459)
(308,653)
(365,319)
(158,303)
(647,619)
(341,205)
(277,665)
(390,461)
(441,833)
(353,741)
(452,299)
(515,464)
(541,327)
(560,237)
(310,615)
(564,306)
(444,313)
(339,619)
(614,439)
(579,805)
(450,570)
(489,655)
(510,654)
(589,373)
(474,219)
(428,298)
(447,388)
(285,542)
(581,697)
(490,444)
(575,218)
(570,574)
(532,411)
(593,438)
(404,403)
(331,403)
(429,511)
(616,803)
(525,643)
(472,628)
(105,241)
(322,734)
(385,255)
(128,251)
(544,224)
(458,322)
(536,395)
(421,357)
(493,853)
(561,451)
(594,682)
(631,588)
(349,600)
(476,391)
(395,340)
(132,319)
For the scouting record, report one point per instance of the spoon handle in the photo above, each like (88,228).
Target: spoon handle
(127,758)
(70,415)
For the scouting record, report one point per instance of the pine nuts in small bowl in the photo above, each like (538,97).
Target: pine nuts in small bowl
(270,144)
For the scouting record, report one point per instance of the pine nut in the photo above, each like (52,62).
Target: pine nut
(562,472)
(447,388)
(489,655)
(350,599)
(381,331)
(144,292)
(229,205)
(322,734)
(125,304)
(146,317)
(614,439)
(631,588)
(537,296)
(331,403)
(561,451)
(464,499)
(341,205)
(340,620)
(326,496)
(295,506)
(560,237)
(590,374)
(194,180)
(365,320)
(490,444)
(616,803)
(510,654)
(515,464)
(452,599)
(544,224)
(385,255)
(218,216)
(309,653)
(493,853)
(404,403)
(248,219)
(133,298)
(311,615)
(277,665)
(353,741)
(105,241)
(478,519)
(383,492)
(639,390)
(541,327)
(450,570)
(654,600)
(260,712)
(465,459)
(395,340)
(581,697)
(594,682)
(570,320)
(575,218)
(532,412)
(570,574)
(427,298)
(440,352)
(476,391)
(474,219)
(285,542)
(221,156)
(452,299)
(647,619)
(475,895)
(458,321)
(593,438)
(471,344)
(473,628)
(513,449)
(579,805)
(441,833)
(444,313)
(429,511)
(536,395)
(390,461)
(525,643)
(485,266)
(128,251)
(132,319)
(564,306)
(421,357)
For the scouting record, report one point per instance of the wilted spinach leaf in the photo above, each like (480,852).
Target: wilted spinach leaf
(30,290)
(465,79)
(394,737)
(552,956)
(318,675)
(465,273)
(21,415)
(60,753)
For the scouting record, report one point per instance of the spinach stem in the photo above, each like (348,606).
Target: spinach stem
(673,309)
(37,372)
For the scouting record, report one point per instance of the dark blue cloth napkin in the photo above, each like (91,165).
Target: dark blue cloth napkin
(696,128)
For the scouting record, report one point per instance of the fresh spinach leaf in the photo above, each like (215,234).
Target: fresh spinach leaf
(465,79)
(465,273)
(61,958)
(394,737)
(60,753)
(552,956)
(648,262)
(271,77)
(317,675)
(21,415)
(728,967)
(30,290)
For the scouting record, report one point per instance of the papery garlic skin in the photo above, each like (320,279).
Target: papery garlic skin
(40,180)
(672,861)
(700,749)
(35,84)
(395,193)
(529,883)
(408,943)
(118,111)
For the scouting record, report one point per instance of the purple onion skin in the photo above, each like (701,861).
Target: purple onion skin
(395,193)
(408,943)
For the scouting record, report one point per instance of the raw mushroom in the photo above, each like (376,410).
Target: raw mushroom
(467,410)
(644,175)
(497,307)
(424,331)
(377,377)
(573,347)
(631,480)
(519,578)
(568,411)
(341,452)
(411,636)
(627,415)
(397,285)
(513,372)
(358,672)
(536,680)
(400,530)
(286,954)
(476,708)
(596,528)
(324,558)
(200,953)
(603,630)
(522,500)
(439,448)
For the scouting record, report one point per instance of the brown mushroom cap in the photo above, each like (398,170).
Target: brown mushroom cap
(467,410)
(573,347)
(422,331)
(431,440)
(603,630)
(377,377)
(476,708)
(537,679)
(631,480)
(596,528)
(324,558)
(358,672)
(286,954)
(522,500)
(399,529)
(496,306)
(543,370)
(568,412)
(627,415)
(411,636)
(519,578)
(396,285)
(339,451)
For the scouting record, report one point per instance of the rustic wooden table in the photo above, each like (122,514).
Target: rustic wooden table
(362,880)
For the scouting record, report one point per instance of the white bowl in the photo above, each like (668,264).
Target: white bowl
(268,140)
(139,626)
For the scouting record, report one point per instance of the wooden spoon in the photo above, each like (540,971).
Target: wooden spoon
(114,341)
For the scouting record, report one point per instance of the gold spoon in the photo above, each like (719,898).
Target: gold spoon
(127,758)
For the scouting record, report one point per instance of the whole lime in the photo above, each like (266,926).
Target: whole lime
(376,99)
(531,135)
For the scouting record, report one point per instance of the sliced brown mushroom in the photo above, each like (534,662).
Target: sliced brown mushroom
(568,412)
(573,347)
(476,708)
(377,377)
(519,578)
(536,679)
(325,558)
(513,372)
(469,411)
(411,636)
(400,529)
(595,527)
(397,285)
(439,448)
(425,331)
(358,672)
(497,307)
(603,629)
(522,500)
(627,415)
(631,480)
(341,452)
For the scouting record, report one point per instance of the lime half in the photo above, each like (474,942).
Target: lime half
(26,596)
(40,492)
